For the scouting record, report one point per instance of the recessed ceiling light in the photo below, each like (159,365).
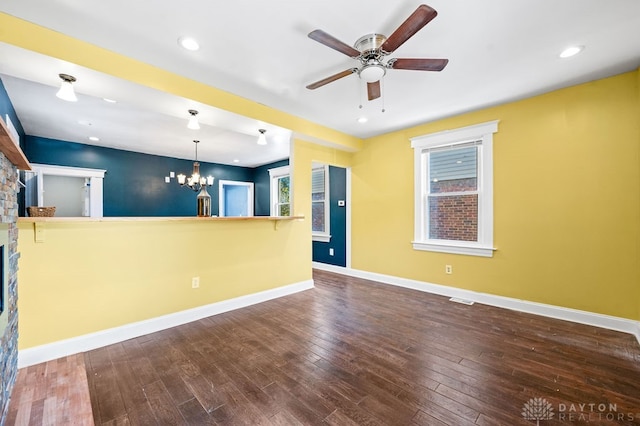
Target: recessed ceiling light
(236,160)
(189,43)
(94,138)
(363,120)
(571,51)
(111,101)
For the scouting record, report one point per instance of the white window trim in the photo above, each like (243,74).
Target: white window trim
(221,185)
(484,246)
(275,174)
(95,176)
(324,237)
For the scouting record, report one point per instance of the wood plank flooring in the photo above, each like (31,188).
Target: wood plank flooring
(355,352)
(52,393)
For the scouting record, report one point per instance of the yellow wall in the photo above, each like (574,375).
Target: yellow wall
(91,276)
(566,204)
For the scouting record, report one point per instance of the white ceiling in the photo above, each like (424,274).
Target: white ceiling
(499,50)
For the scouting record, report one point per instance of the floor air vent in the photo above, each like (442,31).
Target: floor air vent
(463,301)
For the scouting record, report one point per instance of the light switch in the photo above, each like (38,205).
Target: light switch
(167,179)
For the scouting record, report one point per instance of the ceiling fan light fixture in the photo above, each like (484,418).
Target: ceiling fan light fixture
(66,92)
(193,123)
(262,139)
(372,73)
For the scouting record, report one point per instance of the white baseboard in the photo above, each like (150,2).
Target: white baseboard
(87,342)
(574,315)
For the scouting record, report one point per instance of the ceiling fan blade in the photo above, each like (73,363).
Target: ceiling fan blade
(418,19)
(418,64)
(332,42)
(332,78)
(373,90)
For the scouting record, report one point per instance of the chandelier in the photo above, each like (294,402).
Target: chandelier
(196,182)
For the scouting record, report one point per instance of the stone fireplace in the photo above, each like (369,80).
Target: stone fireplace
(9,318)
(8,243)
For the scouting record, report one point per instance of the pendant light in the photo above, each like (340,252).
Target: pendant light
(193,120)
(66,91)
(262,139)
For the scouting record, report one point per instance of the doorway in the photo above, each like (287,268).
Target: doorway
(236,199)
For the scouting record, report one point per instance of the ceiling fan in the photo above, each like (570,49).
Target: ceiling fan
(371,50)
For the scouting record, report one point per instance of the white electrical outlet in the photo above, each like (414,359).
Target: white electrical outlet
(195,282)
(448,269)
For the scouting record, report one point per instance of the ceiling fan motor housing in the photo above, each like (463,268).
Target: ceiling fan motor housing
(371,57)
(370,44)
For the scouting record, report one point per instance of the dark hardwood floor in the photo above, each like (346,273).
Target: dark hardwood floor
(355,352)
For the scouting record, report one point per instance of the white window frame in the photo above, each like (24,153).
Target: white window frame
(275,174)
(221,203)
(325,236)
(95,176)
(480,132)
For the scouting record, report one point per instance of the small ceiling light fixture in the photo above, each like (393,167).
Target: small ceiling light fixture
(111,101)
(571,51)
(189,43)
(66,92)
(94,138)
(363,120)
(262,139)
(193,120)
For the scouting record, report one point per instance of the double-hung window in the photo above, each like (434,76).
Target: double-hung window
(280,191)
(454,190)
(320,203)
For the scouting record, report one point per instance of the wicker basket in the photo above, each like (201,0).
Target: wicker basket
(35,211)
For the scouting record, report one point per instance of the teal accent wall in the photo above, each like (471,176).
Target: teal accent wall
(134,183)
(262,187)
(338,221)
(6,107)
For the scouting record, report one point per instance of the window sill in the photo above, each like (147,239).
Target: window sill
(470,250)
(323,238)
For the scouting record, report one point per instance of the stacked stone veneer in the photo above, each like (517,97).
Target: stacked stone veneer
(9,337)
